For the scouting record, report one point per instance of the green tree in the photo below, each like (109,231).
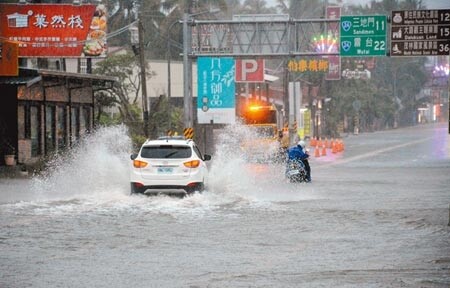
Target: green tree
(257,7)
(389,96)
(165,117)
(125,92)
(157,16)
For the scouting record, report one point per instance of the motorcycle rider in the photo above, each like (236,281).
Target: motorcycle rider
(300,153)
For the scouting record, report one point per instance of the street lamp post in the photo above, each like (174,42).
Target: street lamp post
(137,38)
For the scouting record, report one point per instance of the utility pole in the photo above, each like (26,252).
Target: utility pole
(169,77)
(169,81)
(143,77)
(187,68)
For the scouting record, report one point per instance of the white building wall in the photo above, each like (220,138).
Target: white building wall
(157,84)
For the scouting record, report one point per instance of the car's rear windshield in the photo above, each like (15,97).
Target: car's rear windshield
(166,151)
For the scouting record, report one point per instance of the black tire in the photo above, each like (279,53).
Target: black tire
(198,187)
(134,190)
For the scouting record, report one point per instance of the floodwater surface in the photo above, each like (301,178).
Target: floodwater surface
(375,215)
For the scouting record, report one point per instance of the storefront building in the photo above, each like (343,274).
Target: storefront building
(45,111)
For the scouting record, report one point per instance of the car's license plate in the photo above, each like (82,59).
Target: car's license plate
(165,170)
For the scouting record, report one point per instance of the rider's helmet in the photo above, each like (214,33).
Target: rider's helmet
(301,143)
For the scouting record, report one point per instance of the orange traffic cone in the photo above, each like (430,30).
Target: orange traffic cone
(334,148)
(316,151)
(313,142)
(324,150)
(340,146)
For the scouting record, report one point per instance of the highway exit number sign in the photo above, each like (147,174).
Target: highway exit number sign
(363,35)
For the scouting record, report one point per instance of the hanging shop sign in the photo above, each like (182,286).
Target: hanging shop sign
(216,101)
(55,30)
(9,63)
(308,65)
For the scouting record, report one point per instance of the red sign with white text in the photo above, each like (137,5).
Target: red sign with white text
(250,70)
(55,30)
(334,68)
(9,63)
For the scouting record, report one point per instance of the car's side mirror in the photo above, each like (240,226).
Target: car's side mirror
(206,157)
(133,156)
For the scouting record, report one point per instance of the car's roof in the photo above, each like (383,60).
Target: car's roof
(169,141)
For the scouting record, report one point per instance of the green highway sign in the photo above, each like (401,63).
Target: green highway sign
(363,35)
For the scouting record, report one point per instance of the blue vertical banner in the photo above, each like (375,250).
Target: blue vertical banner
(216,100)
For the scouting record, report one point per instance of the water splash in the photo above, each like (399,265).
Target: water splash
(93,177)
(236,179)
(96,166)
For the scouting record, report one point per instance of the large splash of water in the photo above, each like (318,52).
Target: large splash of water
(233,176)
(94,175)
(97,165)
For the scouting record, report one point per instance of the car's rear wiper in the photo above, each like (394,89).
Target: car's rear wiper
(170,154)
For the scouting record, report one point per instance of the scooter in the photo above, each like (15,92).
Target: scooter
(295,171)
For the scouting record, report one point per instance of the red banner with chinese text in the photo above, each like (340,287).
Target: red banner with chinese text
(55,30)
(9,61)
(334,70)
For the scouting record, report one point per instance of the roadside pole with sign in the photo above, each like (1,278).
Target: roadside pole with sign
(216,90)
(363,35)
(420,33)
(334,67)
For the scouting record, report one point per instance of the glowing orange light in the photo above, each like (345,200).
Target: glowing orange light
(139,164)
(192,164)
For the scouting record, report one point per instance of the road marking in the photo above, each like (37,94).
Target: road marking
(374,153)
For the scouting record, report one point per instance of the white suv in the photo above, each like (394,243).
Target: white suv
(169,165)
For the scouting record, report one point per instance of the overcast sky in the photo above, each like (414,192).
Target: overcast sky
(431,4)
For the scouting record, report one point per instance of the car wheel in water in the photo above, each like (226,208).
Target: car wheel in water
(133,189)
(198,187)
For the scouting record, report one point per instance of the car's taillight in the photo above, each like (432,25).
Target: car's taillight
(139,164)
(138,185)
(192,164)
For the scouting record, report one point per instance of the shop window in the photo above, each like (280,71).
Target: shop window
(85,120)
(75,124)
(34,124)
(83,65)
(50,135)
(21,121)
(61,130)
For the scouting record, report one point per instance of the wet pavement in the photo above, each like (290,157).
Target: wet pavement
(375,215)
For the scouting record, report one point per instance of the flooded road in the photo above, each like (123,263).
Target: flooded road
(375,215)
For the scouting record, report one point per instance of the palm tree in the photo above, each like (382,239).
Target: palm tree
(257,7)
(301,9)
